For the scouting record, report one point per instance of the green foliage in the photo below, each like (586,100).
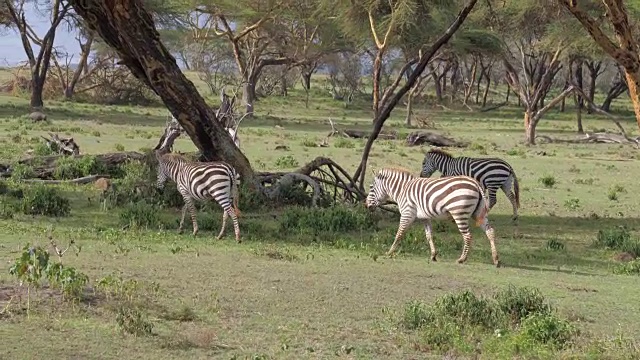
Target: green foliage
(133,321)
(547,329)
(42,149)
(629,268)
(343,143)
(548,181)
(519,302)
(463,321)
(554,245)
(34,265)
(617,238)
(21,172)
(140,214)
(45,200)
(613,192)
(338,219)
(69,167)
(286,162)
(119,147)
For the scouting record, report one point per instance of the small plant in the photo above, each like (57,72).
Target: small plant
(140,215)
(286,162)
(42,149)
(21,172)
(344,143)
(612,238)
(133,321)
(69,279)
(69,167)
(95,133)
(547,329)
(520,302)
(44,200)
(30,267)
(316,220)
(554,245)
(119,147)
(306,142)
(574,169)
(572,204)
(613,192)
(548,181)
(629,268)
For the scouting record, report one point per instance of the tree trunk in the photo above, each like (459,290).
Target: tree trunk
(82,65)
(409,108)
(306,80)
(127,27)
(579,101)
(249,97)
(530,128)
(633,83)
(486,91)
(37,87)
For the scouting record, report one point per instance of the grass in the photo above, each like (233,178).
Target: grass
(303,284)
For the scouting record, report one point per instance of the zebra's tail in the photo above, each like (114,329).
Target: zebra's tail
(516,189)
(235,193)
(482,209)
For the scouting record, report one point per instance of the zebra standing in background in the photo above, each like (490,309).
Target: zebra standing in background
(492,173)
(202,181)
(430,198)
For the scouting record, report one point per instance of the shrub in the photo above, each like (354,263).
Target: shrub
(133,321)
(629,268)
(612,238)
(554,245)
(69,167)
(21,172)
(547,329)
(317,220)
(548,181)
(140,215)
(42,149)
(45,200)
(286,162)
(344,143)
(519,302)
(468,309)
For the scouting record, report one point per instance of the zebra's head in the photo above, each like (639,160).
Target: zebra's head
(431,162)
(163,167)
(377,191)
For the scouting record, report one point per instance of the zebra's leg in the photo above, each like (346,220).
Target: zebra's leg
(428,233)
(463,227)
(224,224)
(508,190)
(405,221)
(492,197)
(491,235)
(236,225)
(188,203)
(184,213)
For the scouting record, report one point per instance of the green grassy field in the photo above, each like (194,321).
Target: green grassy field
(297,290)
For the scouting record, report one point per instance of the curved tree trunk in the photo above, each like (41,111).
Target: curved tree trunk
(127,27)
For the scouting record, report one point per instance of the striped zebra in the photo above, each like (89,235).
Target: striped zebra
(462,197)
(202,181)
(492,173)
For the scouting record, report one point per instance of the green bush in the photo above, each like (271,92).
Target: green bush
(520,302)
(140,215)
(69,167)
(338,219)
(554,245)
(21,172)
(547,329)
(629,268)
(133,321)
(617,238)
(45,200)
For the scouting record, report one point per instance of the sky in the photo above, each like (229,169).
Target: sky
(12,52)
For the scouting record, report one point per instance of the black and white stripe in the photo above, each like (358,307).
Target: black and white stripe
(462,197)
(492,173)
(202,181)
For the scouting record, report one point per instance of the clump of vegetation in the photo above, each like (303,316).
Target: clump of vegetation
(45,200)
(21,172)
(629,268)
(133,321)
(296,220)
(140,214)
(548,181)
(514,316)
(42,149)
(613,192)
(69,167)
(617,238)
(344,143)
(554,245)
(286,162)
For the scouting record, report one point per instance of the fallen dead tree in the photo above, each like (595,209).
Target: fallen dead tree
(62,146)
(44,167)
(424,137)
(79,181)
(360,134)
(594,138)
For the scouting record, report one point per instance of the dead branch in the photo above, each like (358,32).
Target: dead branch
(594,138)
(62,146)
(79,181)
(422,137)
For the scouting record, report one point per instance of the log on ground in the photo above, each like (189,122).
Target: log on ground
(417,138)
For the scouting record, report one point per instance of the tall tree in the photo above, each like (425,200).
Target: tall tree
(39,64)
(627,50)
(128,27)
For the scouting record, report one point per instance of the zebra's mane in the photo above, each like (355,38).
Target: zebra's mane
(439,152)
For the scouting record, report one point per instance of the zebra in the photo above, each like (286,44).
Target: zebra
(202,181)
(462,197)
(492,173)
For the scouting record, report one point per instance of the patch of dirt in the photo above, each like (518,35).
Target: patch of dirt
(624,257)
(13,298)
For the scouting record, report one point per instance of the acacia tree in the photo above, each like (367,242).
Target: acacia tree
(128,28)
(38,63)
(626,52)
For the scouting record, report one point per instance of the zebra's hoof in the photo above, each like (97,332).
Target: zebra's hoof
(461,261)
(497,263)
(433,258)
